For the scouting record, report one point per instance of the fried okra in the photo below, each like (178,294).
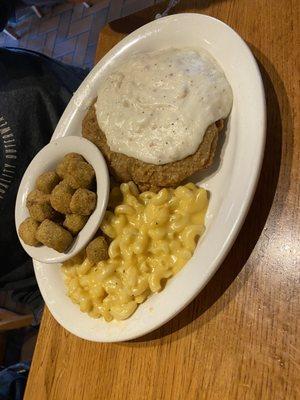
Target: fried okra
(50,203)
(61,196)
(77,259)
(97,250)
(61,169)
(75,222)
(47,181)
(73,156)
(37,197)
(39,207)
(53,235)
(79,174)
(83,202)
(27,231)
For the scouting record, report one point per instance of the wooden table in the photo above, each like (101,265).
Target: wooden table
(238,339)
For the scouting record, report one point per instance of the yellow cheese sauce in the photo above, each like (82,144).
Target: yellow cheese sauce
(153,236)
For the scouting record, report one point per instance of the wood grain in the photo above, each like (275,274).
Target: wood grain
(240,338)
(11,320)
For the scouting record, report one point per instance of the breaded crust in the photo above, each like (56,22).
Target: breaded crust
(149,176)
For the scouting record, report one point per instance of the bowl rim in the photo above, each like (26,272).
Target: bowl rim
(36,167)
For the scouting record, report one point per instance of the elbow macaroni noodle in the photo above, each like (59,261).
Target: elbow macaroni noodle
(153,236)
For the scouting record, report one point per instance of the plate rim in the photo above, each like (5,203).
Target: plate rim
(243,210)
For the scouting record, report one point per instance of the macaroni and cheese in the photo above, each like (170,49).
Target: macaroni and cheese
(152,237)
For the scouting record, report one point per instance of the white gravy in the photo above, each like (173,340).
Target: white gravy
(156,106)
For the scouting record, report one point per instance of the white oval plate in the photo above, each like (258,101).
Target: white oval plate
(231,181)
(46,160)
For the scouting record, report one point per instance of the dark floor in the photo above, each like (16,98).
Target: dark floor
(69,32)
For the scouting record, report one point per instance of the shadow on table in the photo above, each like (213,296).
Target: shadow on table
(257,216)
(132,21)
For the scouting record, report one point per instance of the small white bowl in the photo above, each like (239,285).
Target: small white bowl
(46,160)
